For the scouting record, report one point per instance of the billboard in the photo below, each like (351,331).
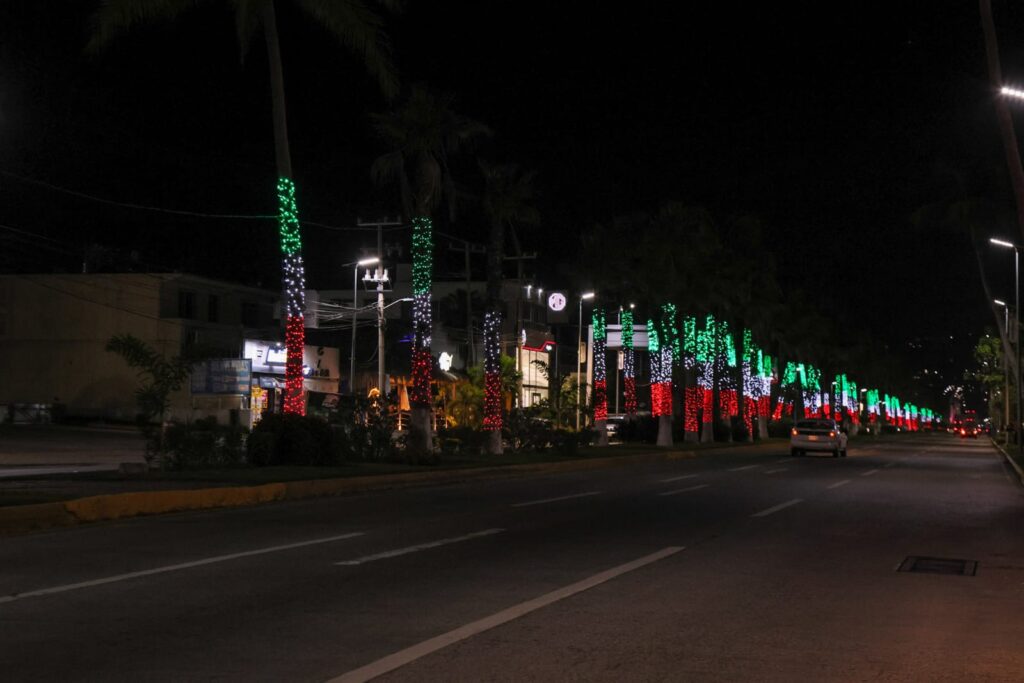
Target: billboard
(222,376)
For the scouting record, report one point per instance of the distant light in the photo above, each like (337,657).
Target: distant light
(588,295)
(444,361)
(1012,92)
(632,306)
(1002,243)
(368,261)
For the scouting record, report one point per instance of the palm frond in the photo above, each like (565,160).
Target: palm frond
(359,29)
(114,17)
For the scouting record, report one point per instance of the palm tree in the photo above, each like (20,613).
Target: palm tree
(355,26)
(507,201)
(422,132)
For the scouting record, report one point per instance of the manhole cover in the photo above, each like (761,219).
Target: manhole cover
(939,565)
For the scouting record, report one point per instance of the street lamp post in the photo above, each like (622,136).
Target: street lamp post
(1016,329)
(579,357)
(355,314)
(1006,363)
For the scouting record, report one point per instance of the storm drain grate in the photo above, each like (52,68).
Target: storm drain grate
(939,565)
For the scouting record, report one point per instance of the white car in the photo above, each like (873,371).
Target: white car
(818,435)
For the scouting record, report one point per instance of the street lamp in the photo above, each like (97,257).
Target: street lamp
(1016,327)
(579,356)
(355,314)
(1006,363)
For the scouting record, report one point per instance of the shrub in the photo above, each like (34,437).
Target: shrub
(201,444)
(296,440)
(780,429)
(641,428)
(739,429)
(525,431)
(722,431)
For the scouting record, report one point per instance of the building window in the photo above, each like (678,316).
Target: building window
(250,314)
(186,305)
(213,309)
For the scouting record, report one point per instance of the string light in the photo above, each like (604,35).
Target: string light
(293,281)
(706,340)
(725,359)
(628,362)
(422,273)
(661,372)
(492,372)
(600,372)
(691,395)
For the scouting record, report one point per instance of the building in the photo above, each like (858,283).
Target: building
(54,329)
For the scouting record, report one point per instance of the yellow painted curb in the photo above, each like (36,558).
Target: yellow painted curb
(23,518)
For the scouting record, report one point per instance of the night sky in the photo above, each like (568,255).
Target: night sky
(833,122)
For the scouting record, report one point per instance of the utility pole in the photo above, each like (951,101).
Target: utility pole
(468,248)
(380,277)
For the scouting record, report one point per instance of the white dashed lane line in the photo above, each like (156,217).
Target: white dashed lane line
(685,476)
(745,467)
(776,508)
(869,473)
(781,469)
(836,485)
(416,548)
(555,500)
(692,488)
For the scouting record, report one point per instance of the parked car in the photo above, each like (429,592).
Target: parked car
(818,435)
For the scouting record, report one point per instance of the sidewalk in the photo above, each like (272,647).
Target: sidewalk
(80,499)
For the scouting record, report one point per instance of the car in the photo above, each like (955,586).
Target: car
(818,435)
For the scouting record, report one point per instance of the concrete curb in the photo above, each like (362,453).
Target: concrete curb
(1013,463)
(25,518)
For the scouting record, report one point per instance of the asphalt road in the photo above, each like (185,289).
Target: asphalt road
(50,449)
(746,565)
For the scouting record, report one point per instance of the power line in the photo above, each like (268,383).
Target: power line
(183,212)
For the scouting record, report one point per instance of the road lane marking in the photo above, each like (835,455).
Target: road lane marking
(685,476)
(781,469)
(416,548)
(869,473)
(411,654)
(836,485)
(890,464)
(745,467)
(554,500)
(692,488)
(776,508)
(172,568)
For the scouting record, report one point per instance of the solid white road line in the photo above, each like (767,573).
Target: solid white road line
(555,500)
(780,506)
(692,488)
(781,469)
(869,473)
(836,485)
(411,654)
(419,547)
(685,476)
(173,568)
(745,467)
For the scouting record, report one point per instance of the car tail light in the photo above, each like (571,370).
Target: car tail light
(832,434)
(794,432)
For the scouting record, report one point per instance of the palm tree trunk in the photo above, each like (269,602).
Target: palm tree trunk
(493,408)
(293,278)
